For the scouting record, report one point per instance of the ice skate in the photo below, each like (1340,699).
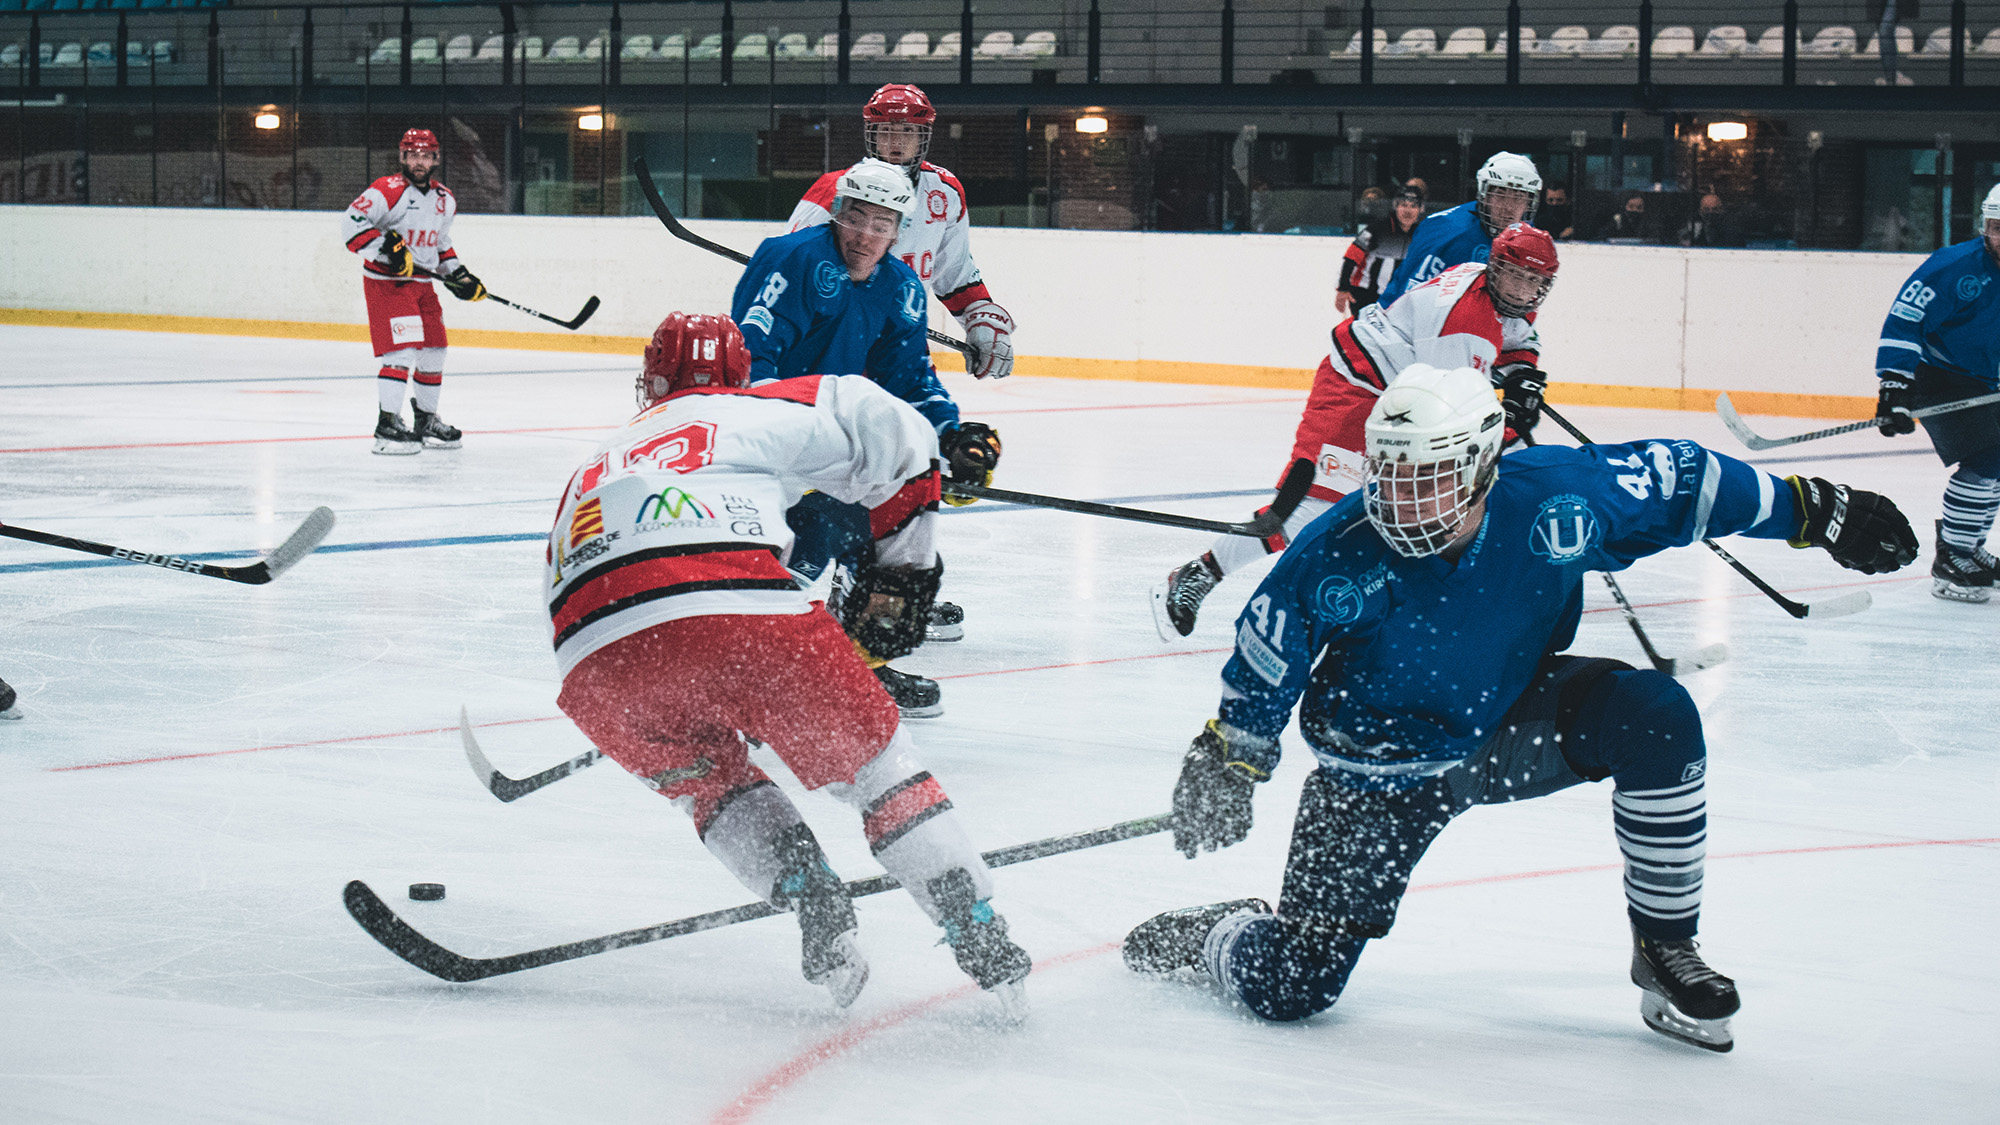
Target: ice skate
(433,432)
(7,698)
(1962,576)
(947,623)
(1173,940)
(915,696)
(1682,997)
(828,952)
(1178,599)
(978,937)
(393,438)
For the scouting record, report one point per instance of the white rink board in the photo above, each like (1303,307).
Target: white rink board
(1802,322)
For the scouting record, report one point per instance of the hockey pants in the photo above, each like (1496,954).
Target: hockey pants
(1353,851)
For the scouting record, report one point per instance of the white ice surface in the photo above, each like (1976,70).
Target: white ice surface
(173,947)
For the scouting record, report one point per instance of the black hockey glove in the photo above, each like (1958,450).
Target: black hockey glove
(1862,530)
(1892,405)
(396,256)
(971,451)
(889,608)
(1521,397)
(463,285)
(1212,799)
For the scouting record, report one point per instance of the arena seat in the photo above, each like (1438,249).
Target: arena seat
(565,49)
(1673,41)
(1499,50)
(871,45)
(710,47)
(458,48)
(69,54)
(912,45)
(495,47)
(1906,43)
(1464,43)
(949,46)
(424,50)
(1618,41)
(1353,50)
(637,47)
(1564,42)
(388,50)
(1990,46)
(1415,41)
(755,45)
(1938,43)
(1726,41)
(1832,42)
(794,45)
(828,46)
(1038,45)
(529,49)
(996,45)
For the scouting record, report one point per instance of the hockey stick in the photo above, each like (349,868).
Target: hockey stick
(573,323)
(674,227)
(1832,607)
(1263,525)
(1673,666)
(399,938)
(1736,424)
(295,547)
(507,788)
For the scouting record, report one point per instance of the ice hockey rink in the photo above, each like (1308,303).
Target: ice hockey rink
(204,765)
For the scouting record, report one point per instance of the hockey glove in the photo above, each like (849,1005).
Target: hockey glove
(1892,405)
(394,257)
(889,607)
(463,285)
(1862,530)
(1212,800)
(1521,397)
(990,331)
(972,452)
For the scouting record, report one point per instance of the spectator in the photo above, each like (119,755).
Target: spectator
(1423,189)
(1556,214)
(1625,225)
(1711,226)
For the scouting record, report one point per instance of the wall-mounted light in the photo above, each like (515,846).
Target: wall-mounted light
(590,122)
(269,121)
(1727,130)
(1092,123)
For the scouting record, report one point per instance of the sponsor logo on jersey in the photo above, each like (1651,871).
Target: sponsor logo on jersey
(934,202)
(827,279)
(587,522)
(1338,600)
(1261,657)
(406,329)
(1694,770)
(1338,469)
(1663,468)
(759,317)
(672,503)
(1970,286)
(1565,529)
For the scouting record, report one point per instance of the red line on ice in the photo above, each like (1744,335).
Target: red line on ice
(767,1088)
(292,745)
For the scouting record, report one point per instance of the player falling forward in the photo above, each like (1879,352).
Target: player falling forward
(1508,187)
(937,244)
(829,299)
(1412,626)
(680,633)
(401,228)
(1472,315)
(1940,343)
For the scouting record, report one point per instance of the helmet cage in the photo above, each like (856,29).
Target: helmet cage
(1512,308)
(1420,506)
(871,134)
(1492,222)
(1513,172)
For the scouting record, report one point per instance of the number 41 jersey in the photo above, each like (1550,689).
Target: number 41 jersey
(681,513)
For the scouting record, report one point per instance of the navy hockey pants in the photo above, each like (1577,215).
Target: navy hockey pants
(1353,852)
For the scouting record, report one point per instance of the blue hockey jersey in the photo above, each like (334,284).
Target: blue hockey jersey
(1402,667)
(1947,315)
(801,315)
(1446,239)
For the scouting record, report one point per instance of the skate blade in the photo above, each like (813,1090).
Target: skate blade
(1953,592)
(440,443)
(944,633)
(933,711)
(1161,622)
(390,448)
(845,981)
(1013,999)
(12,713)
(1663,1017)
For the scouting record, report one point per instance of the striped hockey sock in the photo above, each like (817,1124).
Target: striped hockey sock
(1970,503)
(390,383)
(1663,834)
(428,385)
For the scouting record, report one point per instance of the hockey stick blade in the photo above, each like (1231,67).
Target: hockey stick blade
(1743,433)
(1673,666)
(572,323)
(300,543)
(512,789)
(666,216)
(1839,607)
(398,937)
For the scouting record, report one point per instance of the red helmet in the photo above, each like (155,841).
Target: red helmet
(898,104)
(695,350)
(1525,251)
(419,140)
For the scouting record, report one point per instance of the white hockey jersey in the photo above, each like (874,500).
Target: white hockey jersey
(681,513)
(937,243)
(423,219)
(1448,321)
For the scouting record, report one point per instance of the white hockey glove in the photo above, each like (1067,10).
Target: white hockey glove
(990,331)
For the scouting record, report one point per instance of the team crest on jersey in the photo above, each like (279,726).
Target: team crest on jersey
(1565,529)
(586,523)
(913,302)
(936,204)
(827,279)
(1482,252)
(1970,286)
(1338,600)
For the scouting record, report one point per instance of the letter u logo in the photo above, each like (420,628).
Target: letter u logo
(1579,538)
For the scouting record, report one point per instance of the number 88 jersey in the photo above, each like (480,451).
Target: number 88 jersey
(681,512)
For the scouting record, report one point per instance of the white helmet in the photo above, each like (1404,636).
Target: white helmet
(1433,450)
(1508,170)
(1991,208)
(878,182)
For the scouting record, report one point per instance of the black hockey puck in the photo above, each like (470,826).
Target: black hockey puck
(426,892)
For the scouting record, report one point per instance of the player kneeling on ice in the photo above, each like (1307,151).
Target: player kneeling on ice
(680,634)
(1416,625)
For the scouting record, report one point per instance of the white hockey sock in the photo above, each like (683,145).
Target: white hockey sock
(389,388)
(425,389)
(910,824)
(743,835)
(1970,502)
